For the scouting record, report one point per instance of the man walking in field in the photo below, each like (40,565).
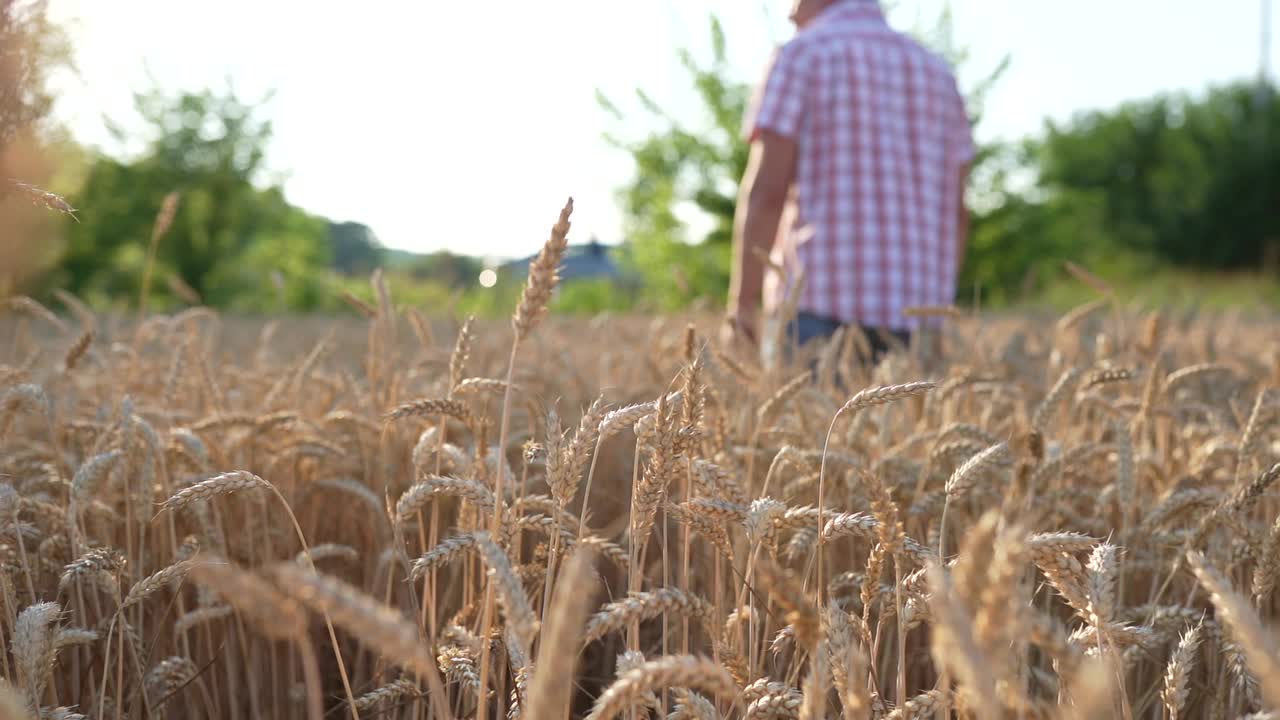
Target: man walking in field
(860,133)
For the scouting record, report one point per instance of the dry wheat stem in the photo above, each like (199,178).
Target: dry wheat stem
(550,692)
(543,276)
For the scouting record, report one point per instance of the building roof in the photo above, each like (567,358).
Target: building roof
(592,259)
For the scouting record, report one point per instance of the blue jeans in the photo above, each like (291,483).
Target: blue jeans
(808,326)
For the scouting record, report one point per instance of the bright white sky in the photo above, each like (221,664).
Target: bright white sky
(464,125)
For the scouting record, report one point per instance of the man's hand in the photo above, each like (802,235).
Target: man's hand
(740,330)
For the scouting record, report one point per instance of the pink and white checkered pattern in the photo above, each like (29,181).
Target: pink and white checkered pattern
(882,138)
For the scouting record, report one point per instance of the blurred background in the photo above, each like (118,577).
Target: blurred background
(266,157)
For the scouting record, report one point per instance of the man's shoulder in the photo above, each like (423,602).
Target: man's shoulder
(931,59)
(825,38)
(801,45)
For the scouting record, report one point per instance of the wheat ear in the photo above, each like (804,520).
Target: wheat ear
(642,606)
(666,672)
(1174,693)
(33,646)
(145,587)
(395,690)
(224,484)
(521,622)
(544,275)
(167,678)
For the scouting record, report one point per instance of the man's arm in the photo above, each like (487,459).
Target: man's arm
(771,168)
(962,223)
(963,153)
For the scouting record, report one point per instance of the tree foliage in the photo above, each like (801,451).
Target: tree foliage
(356,249)
(682,171)
(1174,180)
(234,243)
(1184,179)
(450,270)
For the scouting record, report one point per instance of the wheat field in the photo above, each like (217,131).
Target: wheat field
(403,517)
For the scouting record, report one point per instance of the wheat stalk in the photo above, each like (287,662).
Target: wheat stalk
(550,692)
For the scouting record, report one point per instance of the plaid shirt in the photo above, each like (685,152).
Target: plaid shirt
(882,137)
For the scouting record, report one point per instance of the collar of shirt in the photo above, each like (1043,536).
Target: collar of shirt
(861,9)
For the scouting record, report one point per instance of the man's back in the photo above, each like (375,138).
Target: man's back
(882,143)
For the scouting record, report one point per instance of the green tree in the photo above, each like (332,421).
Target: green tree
(680,169)
(236,244)
(1171,180)
(456,272)
(356,250)
(1186,180)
